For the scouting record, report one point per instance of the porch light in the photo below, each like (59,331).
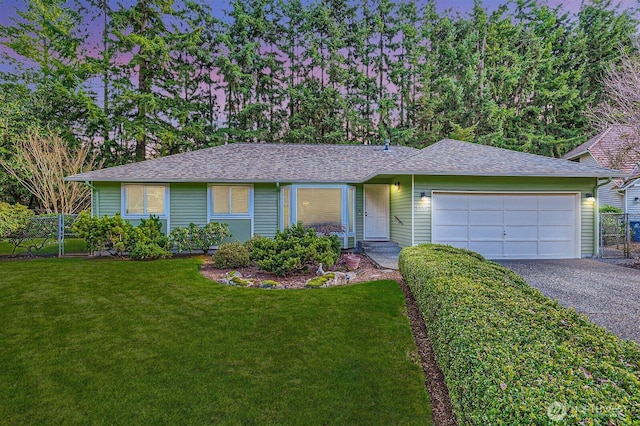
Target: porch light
(397,185)
(589,196)
(423,196)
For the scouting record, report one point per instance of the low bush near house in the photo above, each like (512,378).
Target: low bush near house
(117,236)
(231,255)
(294,249)
(512,356)
(197,237)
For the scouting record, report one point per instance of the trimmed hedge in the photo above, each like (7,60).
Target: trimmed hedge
(512,356)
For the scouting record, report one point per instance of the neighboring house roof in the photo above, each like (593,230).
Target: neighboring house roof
(615,148)
(250,162)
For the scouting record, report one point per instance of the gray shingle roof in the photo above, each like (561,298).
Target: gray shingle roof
(242,162)
(450,157)
(259,162)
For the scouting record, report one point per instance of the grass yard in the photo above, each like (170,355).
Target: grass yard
(71,245)
(121,342)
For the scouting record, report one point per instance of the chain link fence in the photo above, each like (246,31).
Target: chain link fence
(47,235)
(619,235)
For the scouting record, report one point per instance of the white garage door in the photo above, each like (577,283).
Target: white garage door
(508,226)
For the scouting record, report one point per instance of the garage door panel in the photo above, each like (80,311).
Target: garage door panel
(521,249)
(556,233)
(508,225)
(556,202)
(520,217)
(521,232)
(484,217)
(563,217)
(521,202)
(453,202)
(453,217)
(487,233)
(486,202)
(450,233)
(489,249)
(557,249)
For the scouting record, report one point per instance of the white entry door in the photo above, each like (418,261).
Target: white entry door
(376,212)
(508,226)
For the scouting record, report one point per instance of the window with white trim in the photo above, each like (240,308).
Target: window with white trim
(144,200)
(230,200)
(327,209)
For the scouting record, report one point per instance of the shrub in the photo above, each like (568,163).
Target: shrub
(607,208)
(509,354)
(250,243)
(20,227)
(108,233)
(231,255)
(117,236)
(295,248)
(199,237)
(13,219)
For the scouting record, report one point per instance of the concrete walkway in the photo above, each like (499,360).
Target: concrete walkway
(608,294)
(383,254)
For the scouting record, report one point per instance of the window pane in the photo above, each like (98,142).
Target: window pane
(155,200)
(220,199)
(135,199)
(239,200)
(320,208)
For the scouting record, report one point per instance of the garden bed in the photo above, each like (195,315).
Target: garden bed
(366,271)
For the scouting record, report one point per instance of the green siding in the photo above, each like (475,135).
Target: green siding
(460,183)
(107,198)
(187,204)
(400,211)
(240,229)
(265,210)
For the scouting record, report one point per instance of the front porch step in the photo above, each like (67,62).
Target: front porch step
(378,245)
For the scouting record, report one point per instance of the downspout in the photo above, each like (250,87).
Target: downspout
(413,211)
(596,215)
(278,201)
(95,191)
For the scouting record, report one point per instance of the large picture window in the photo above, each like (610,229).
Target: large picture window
(144,200)
(320,208)
(327,209)
(230,200)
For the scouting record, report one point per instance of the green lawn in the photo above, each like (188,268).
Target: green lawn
(71,245)
(122,342)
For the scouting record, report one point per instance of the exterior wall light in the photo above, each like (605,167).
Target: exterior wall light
(423,196)
(397,184)
(589,196)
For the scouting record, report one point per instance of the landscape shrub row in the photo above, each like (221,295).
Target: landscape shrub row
(512,356)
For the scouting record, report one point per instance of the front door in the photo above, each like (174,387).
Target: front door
(376,212)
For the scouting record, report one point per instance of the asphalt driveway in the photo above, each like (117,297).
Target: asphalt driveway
(608,294)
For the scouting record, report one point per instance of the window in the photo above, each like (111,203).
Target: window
(230,200)
(145,200)
(320,208)
(327,209)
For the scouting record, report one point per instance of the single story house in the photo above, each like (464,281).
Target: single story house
(501,203)
(614,148)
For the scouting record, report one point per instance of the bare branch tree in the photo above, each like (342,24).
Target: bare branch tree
(621,91)
(41,163)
